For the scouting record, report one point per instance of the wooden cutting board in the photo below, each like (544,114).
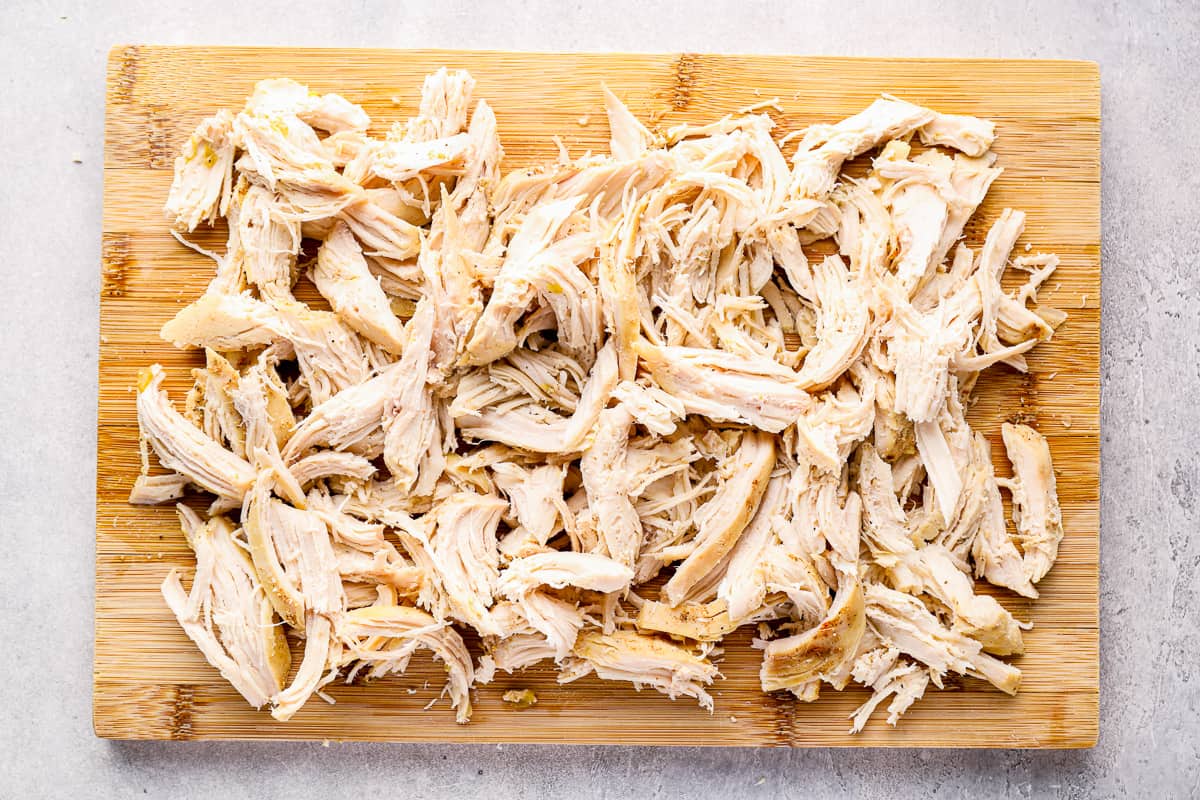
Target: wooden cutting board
(150,680)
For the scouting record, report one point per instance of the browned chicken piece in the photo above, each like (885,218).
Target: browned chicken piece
(1036,512)
(645,660)
(410,628)
(704,622)
(246,644)
(723,519)
(796,660)
(184,448)
(203,180)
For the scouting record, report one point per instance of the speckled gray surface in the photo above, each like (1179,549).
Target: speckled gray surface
(51,113)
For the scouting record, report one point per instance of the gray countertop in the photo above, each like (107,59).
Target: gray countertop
(52,59)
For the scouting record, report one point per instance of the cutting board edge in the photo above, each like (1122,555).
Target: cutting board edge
(1081,737)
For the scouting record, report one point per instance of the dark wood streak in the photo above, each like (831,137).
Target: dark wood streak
(114,264)
(783,720)
(1027,398)
(685,77)
(158,137)
(127,74)
(181,712)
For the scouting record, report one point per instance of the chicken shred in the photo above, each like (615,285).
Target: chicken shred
(636,362)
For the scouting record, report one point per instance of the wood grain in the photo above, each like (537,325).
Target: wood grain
(152,683)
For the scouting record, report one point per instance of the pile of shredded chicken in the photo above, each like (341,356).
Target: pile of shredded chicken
(603,411)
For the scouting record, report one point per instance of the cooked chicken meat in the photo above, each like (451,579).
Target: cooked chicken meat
(203,174)
(841,325)
(372,635)
(534,394)
(341,274)
(247,645)
(184,448)
(643,660)
(1035,498)
(225,322)
(725,387)
(825,148)
(797,660)
(722,520)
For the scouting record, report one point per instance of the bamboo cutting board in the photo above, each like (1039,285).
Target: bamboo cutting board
(152,683)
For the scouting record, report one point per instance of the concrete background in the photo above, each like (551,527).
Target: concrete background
(51,112)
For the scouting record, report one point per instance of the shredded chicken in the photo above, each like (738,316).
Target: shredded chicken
(1035,499)
(248,646)
(536,392)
